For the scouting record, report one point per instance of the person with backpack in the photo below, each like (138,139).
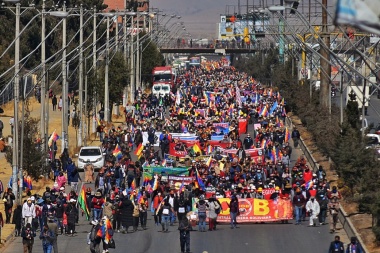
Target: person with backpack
(213,211)
(165,210)
(202,208)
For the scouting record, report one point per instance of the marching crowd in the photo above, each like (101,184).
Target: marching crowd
(202,98)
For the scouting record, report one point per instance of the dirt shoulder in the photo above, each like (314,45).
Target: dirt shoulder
(362,222)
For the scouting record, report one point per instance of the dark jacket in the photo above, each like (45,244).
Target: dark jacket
(126,212)
(28,235)
(72,213)
(336,247)
(17,217)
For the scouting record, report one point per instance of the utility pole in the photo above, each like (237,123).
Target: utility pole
(281,41)
(106,84)
(80,113)
(43,77)
(65,138)
(132,67)
(125,55)
(15,151)
(138,51)
(94,60)
(325,60)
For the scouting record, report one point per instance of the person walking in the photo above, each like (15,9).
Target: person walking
(47,238)
(333,210)
(136,215)
(28,235)
(75,178)
(184,234)
(336,246)
(53,226)
(72,215)
(165,210)
(89,173)
(234,210)
(202,208)
(143,208)
(312,207)
(94,240)
(97,205)
(156,203)
(296,137)
(28,211)
(60,103)
(126,212)
(299,202)
(354,246)
(54,102)
(8,199)
(213,211)
(1,128)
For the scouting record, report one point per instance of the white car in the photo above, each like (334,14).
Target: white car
(93,155)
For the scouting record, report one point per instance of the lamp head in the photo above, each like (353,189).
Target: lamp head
(11,1)
(276,8)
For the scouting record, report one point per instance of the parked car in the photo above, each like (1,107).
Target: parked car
(93,155)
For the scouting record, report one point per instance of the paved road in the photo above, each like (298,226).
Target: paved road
(263,238)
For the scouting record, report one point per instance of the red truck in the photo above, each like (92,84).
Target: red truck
(163,80)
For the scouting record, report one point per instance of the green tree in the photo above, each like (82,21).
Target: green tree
(118,78)
(352,113)
(151,57)
(33,158)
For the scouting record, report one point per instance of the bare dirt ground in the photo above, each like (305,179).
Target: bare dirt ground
(362,222)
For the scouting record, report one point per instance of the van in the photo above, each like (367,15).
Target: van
(161,88)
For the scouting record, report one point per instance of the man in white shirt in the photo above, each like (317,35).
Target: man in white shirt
(28,211)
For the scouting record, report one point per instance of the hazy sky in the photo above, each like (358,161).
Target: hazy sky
(199,16)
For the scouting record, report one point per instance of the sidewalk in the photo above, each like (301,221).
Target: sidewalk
(6,169)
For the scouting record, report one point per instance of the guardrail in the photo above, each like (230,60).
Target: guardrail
(342,215)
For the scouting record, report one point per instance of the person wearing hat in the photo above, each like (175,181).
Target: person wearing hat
(97,205)
(313,208)
(28,211)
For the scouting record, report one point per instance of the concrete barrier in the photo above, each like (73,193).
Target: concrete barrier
(347,224)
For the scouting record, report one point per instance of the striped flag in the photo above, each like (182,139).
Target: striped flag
(238,97)
(82,201)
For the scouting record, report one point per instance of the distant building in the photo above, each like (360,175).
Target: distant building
(135,5)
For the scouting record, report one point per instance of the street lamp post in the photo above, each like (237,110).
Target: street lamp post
(132,67)
(80,113)
(106,82)
(65,127)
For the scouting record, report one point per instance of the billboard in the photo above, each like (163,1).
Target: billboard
(364,14)
(233,27)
